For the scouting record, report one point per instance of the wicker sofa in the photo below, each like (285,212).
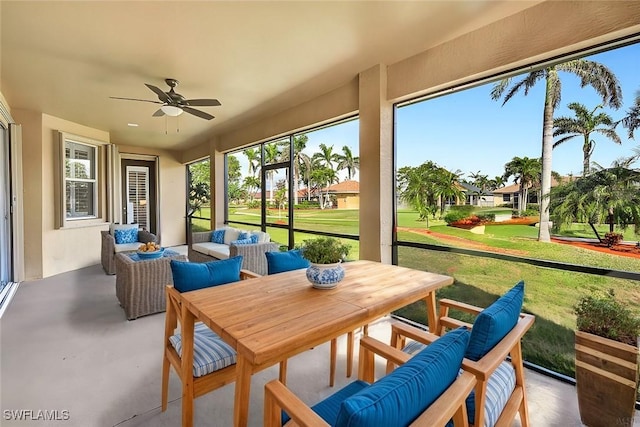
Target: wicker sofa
(202,249)
(110,248)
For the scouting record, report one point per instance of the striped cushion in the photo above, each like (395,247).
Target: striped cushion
(499,387)
(210,352)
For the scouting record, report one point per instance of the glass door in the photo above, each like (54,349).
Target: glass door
(5,211)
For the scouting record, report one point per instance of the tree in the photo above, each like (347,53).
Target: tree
(348,161)
(199,186)
(326,157)
(233,170)
(271,155)
(609,195)
(447,187)
(323,177)
(200,172)
(526,173)
(251,185)
(632,120)
(253,156)
(584,124)
(591,74)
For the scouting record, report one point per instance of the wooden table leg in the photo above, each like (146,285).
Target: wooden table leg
(187,323)
(432,316)
(243,392)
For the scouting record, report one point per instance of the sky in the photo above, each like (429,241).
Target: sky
(470,132)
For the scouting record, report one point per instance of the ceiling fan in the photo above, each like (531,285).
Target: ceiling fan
(174,104)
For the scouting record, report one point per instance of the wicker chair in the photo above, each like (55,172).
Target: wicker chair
(108,250)
(140,284)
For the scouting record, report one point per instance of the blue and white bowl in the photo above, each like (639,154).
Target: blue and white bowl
(325,276)
(151,255)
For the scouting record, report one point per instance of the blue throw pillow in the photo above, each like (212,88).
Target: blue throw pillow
(254,238)
(495,321)
(125,235)
(243,236)
(217,236)
(400,397)
(242,242)
(279,262)
(190,276)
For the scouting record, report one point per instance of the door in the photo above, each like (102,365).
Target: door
(139,196)
(5,211)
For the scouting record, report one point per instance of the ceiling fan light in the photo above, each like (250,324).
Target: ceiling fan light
(171,110)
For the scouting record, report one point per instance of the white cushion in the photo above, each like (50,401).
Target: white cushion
(127,247)
(230,234)
(113,227)
(216,250)
(262,236)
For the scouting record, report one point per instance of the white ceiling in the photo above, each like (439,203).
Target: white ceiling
(66,59)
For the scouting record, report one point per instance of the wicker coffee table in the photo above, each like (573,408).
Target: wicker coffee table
(140,283)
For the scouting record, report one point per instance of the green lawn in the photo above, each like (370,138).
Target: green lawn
(550,294)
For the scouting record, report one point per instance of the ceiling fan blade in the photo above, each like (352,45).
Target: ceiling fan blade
(136,99)
(203,102)
(198,113)
(158,113)
(161,95)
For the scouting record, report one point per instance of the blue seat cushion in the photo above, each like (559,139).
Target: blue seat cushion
(500,385)
(400,397)
(210,352)
(494,322)
(190,276)
(328,408)
(279,262)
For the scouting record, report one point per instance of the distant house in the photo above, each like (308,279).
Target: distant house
(508,196)
(346,193)
(475,196)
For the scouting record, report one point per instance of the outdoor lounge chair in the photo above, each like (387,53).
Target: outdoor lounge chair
(497,332)
(426,391)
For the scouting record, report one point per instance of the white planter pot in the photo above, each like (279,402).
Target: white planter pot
(325,276)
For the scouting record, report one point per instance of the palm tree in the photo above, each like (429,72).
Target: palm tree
(325,157)
(253,156)
(590,73)
(447,187)
(632,120)
(496,182)
(301,162)
(323,177)
(584,124)
(416,186)
(526,173)
(348,161)
(608,195)
(271,155)
(252,184)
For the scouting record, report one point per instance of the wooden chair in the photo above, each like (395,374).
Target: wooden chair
(214,362)
(492,370)
(426,391)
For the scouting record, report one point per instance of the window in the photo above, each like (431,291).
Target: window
(80,180)
(506,197)
(82,174)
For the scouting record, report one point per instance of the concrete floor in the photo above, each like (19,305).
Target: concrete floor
(66,346)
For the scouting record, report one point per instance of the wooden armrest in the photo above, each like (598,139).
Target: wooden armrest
(394,355)
(414,333)
(484,367)
(278,396)
(468,308)
(451,323)
(246,274)
(444,408)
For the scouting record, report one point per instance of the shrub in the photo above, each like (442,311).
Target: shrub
(254,204)
(454,215)
(612,239)
(466,209)
(486,217)
(606,317)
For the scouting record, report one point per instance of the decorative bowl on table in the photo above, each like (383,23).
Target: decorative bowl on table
(150,251)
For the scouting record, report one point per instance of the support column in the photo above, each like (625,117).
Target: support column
(376,165)
(217,188)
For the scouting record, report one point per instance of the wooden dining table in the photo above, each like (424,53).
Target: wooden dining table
(271,318)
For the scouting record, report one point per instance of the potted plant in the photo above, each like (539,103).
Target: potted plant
(606,361)
(325,255)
